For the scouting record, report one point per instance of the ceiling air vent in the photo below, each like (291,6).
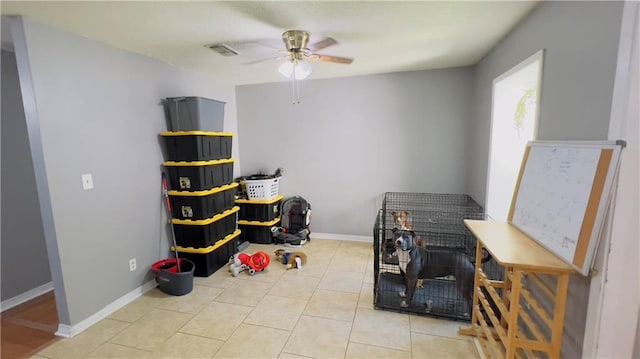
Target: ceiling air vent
(223,49)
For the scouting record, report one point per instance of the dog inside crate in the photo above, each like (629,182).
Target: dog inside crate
(441,278)
(442,249)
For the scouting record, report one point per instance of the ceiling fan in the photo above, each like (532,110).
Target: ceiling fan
(298,47)
(298,51)
(297,54)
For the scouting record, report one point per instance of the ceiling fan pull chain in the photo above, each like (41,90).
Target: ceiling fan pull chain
(296,90)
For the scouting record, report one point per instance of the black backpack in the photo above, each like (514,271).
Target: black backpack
(294,222)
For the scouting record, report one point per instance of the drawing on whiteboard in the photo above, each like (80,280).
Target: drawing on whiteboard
(553,196)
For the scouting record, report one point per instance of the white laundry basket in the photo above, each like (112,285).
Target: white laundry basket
(263,189)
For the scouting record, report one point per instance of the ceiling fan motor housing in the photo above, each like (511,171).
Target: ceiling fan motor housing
(295,40)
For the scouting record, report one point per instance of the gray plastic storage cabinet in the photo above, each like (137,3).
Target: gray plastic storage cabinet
(194,114)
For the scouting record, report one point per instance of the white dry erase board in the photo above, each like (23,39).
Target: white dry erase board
(562,194)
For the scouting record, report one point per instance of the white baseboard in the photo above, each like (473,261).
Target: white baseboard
(26,296)
(68,331)
(342,237)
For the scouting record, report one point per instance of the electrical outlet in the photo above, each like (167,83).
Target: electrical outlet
(132,264)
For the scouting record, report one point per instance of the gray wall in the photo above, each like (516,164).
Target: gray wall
(352,139)
(581,43)
(25,265)
(99,113)
(580,40)
(636,342)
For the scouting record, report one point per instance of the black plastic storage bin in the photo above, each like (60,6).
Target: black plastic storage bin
(210,259)
(199,175)
(203,233)
(259,210)
(257,232)
(200,205)
(197,145)
(194,114)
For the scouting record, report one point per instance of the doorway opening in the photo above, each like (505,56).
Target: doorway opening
(514,122)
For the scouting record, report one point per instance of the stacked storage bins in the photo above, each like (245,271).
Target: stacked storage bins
(256,217)
(200,171)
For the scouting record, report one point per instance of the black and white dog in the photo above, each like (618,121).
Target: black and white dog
(423,263)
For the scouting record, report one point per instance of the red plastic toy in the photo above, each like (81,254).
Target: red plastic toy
(253,263)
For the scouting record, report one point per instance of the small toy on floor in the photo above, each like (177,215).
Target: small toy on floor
(253,263)
(235,265)
(291,259)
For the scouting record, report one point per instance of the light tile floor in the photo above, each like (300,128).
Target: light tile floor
(323,310)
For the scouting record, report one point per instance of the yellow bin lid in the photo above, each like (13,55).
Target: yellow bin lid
(198,163)
(260,201)
(195,133)
(258,223)
(204,222)
(209,249)
(203,193)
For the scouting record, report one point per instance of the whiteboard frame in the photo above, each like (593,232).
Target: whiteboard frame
(605,197)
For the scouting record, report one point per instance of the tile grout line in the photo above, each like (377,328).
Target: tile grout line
(280,279)
(193,315)
(239,325)
(303,309)
(382,347)
(249,314)
(307,304)
(355,313)
(353,321)
(120,345)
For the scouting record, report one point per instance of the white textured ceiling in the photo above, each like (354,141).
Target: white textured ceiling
(382,36)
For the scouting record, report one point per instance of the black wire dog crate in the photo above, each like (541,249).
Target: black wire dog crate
(438,220)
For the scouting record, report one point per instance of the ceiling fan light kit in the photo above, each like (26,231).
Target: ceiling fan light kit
(300,69)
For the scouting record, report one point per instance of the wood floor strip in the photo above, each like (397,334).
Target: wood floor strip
(29,327)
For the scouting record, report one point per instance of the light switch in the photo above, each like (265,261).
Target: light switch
(87,181)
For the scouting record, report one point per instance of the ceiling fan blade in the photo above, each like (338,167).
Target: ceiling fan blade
(326,42)
(275,44)
(263,60)
(334,59)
